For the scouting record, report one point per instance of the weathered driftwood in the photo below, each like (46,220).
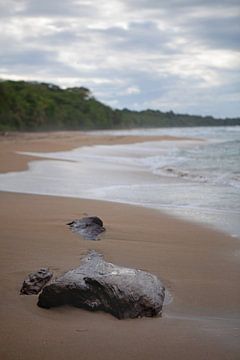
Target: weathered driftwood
(99,285)
(89,227)
(34,283)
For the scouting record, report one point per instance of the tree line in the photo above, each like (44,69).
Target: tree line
(34,106)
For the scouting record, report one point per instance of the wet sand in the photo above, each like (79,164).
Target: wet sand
(11,143)
(199,266)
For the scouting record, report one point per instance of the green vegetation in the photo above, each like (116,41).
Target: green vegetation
(32,106)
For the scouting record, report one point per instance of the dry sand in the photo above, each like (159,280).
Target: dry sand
(199,266)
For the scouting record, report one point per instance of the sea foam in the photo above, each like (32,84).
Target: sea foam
(197,180)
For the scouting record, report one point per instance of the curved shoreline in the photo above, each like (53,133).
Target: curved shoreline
(12,143)
(114,182)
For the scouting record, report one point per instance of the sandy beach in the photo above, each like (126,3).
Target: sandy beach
(199,266)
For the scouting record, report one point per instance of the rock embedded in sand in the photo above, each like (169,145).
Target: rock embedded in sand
(89,227)
(34,283)
(99,285)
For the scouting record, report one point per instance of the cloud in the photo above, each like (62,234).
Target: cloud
(219,34)
(179,55)
(133,90)
(53,8)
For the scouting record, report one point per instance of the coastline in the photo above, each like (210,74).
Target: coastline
(199,266)
(11,143)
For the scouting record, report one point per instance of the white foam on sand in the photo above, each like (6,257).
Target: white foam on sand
(141,174)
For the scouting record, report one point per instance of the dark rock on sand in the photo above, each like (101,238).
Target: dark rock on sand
(89,227)
(99,285)
(34,283)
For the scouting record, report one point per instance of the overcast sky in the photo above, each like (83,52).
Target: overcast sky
(180,55)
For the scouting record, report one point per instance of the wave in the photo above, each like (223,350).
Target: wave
(198,179)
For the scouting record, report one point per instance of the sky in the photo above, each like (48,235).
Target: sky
(179,55)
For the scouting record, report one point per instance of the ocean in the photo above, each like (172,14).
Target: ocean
(197,179)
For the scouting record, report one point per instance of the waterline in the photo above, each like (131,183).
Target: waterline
(194,180)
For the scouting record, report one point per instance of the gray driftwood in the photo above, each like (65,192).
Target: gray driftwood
(99,285)
(34,283)
(89,227)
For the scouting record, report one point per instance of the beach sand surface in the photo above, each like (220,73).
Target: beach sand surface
(12,143)
(199,267)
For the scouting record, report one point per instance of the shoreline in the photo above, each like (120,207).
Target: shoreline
(199,267)
(10,144)
(139,177)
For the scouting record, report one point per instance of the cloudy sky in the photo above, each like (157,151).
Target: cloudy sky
(180,55)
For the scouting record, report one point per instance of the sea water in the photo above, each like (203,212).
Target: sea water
(196,179)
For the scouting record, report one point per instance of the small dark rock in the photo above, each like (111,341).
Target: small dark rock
(89,227)
(34,283)
(99,285)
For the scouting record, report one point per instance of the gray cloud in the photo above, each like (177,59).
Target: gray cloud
(176,4)
(32,58)
(54,8)
(140,36)
(223,34)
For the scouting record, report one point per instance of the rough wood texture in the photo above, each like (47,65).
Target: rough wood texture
(99,285)
(34,283)
(89,227)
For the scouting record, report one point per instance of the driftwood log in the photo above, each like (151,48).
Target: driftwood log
(99,285)
(35,281)
(89,227)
